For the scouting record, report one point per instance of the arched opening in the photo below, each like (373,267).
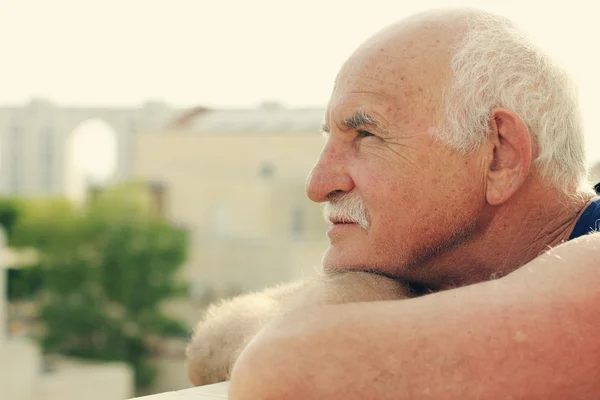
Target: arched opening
(91,157)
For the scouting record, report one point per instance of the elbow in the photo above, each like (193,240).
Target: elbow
(269,369)
(251,379)
(280,362)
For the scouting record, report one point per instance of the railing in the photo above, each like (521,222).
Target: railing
(209,392)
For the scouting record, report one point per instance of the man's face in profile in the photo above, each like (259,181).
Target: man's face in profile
(421,198)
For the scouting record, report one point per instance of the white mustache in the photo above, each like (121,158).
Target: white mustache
(346,208)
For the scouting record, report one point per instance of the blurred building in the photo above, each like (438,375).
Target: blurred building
(236,180)
(34,137)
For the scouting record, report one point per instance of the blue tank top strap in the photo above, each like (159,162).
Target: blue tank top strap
(588,222)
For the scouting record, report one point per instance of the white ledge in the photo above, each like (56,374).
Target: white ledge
(208,392)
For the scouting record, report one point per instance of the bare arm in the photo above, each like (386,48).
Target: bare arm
(534,334)
(228,326)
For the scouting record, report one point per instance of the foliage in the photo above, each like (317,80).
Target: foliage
(9,214)
(24,283)
(106,269)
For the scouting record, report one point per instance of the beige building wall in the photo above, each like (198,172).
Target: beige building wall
(22,376)
(242,197)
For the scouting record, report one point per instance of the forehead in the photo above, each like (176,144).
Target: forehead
(389,93)
(398,76)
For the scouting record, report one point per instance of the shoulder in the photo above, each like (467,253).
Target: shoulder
(566,271)
(581,247)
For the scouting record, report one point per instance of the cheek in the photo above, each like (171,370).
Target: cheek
(389,189)
(390,169)
(396,209)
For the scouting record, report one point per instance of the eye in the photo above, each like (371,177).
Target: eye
(361,133)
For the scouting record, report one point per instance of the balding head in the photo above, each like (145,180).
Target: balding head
(455,66)
(410,59)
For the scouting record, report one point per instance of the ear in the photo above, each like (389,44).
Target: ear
(510,162)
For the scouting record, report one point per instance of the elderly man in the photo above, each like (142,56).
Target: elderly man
(460,147)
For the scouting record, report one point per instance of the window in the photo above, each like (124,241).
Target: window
(266,170)
(297,222)
(46,159)
(14,156)
(157,194)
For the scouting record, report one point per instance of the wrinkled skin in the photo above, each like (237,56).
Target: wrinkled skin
(228,327)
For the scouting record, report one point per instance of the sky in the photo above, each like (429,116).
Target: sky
(239,53)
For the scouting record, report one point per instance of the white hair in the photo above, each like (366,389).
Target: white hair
(347,208)
(496,65)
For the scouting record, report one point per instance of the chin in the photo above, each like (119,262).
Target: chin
(340,259)
(330,268)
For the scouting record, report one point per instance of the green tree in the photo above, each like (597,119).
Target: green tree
(22,283)
(9,214)
(106,268)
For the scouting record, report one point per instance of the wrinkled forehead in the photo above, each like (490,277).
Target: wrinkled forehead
(382,88)
(397,74)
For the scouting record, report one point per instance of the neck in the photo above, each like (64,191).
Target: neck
(511,236)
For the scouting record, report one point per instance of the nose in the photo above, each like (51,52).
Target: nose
(330,176)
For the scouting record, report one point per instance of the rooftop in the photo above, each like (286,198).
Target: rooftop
(267,119)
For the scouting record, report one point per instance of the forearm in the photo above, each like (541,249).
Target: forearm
(531,335)
(227,327)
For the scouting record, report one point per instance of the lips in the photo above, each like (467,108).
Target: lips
(341,227)
(341,221)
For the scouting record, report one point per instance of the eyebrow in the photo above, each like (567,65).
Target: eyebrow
(359,119)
